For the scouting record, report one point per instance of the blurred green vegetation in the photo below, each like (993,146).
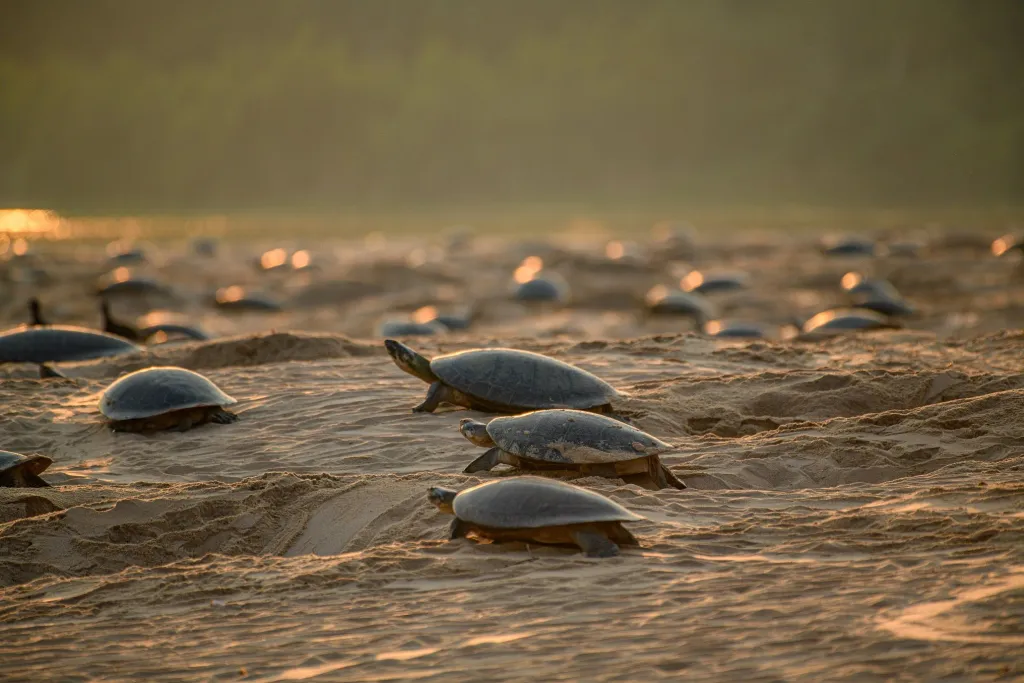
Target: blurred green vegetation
(139,105)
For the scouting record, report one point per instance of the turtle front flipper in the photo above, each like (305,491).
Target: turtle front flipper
(437,394)
(458,529)
(486,462)
(663,476)
(33,480)
(223,417)
(47,371)
(594,544)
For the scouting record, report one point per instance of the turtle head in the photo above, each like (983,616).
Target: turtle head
(443,498)
(476,432)
(410,361)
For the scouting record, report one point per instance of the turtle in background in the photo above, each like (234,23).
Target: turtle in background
(574,440)
(22,471)
(160,398)
(503,381)
(538,510)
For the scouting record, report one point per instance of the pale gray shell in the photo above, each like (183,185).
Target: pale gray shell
(572,436)
(851,319)
(55,343)
(533,502)
(155,391)
(522,379)
(35,463)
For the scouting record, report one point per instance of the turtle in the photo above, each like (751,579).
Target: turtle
(56,343)
(855,284)
(661,300)
(134,286)
(161,398)
(503,381)
(848,246)
(571,440)
(542,289)
(236,298)
(714,283)
(22,471)
(178,330)
(846,320)
(409,328)
(733,330)
(886,305)
(539,510)
(113,326)
(35,312)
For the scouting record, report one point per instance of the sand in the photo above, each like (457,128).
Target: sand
(855,508)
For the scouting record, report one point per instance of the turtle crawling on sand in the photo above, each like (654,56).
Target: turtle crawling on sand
(571,440)
(161,398)
(503,381)
(538,510)
(22,471)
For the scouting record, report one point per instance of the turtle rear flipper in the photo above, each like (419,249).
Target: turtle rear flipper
(486,462)
(594,544)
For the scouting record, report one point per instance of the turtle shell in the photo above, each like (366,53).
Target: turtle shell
(533,502)
(35,463)
(578,437)
(43,344)
(521,379)
(175,329)
(662,301)
(155,391)
(846,319)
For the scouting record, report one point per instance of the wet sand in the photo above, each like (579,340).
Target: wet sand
(855,508)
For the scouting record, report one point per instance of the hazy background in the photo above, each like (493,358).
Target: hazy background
(140,105)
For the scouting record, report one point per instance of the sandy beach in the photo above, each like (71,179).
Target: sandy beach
(854,510)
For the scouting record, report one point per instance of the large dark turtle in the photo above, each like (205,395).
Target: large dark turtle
(160,398)
(503,381)
(571,440)
(539,510)
(56,343)
(18,470)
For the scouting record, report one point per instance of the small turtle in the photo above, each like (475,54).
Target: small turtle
(543,288)
(538,510)
(35,312)
(175,330)
(502,381)
(56,343)
(22,471)
(113,326)
(133,286)
(886,305)
(846,320)
(409,328)
(161,398)
(714,283)
(848,246)
(571,440)
(661,300)
(855,284)
(734,330)
(236,298)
